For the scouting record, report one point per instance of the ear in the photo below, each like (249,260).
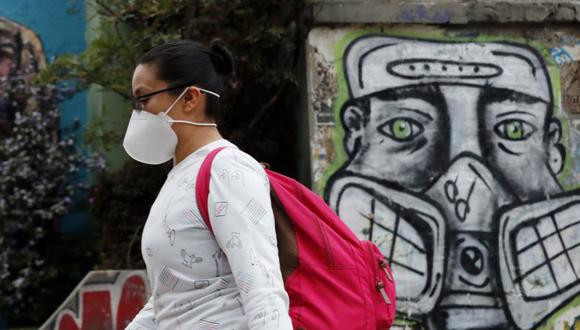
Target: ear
(353,121)
(192,100)
(556,152)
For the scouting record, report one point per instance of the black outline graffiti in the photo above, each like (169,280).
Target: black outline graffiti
(486,238)
(501,221)
(444,67)
(540,240)
(420,226)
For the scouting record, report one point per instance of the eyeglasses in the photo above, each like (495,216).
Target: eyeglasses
(139,105)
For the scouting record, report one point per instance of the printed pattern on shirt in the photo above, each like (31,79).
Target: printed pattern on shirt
(273,240)
(254,211)
(221,209)
(168,279)
(234,242)
(193,217)
(187,183)
(218,257)
(265,271)
(266,319)
(169,232)
(182,307)
(190,259)
(235,177)
(245,281)
(207,325)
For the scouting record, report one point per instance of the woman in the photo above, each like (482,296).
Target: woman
(198,281)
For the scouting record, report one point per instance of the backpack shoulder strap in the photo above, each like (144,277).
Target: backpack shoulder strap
(202,186)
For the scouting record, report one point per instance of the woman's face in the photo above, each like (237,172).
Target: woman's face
(145,82)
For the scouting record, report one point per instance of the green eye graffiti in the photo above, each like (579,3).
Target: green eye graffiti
(514,129)
(401,129)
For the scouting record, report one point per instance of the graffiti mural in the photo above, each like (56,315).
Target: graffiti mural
(103,300)
(452,157)
(21,57)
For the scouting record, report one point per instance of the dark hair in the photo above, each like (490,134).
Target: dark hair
(190,62)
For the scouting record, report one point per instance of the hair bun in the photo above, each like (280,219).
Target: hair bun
(220,56)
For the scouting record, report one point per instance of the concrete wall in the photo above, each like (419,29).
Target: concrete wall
(104,300)
(457,151)
(445,11)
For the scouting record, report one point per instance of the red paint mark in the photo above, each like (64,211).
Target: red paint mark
(96,313)
(132,300)
(96,307)
(67,322)
(97,310)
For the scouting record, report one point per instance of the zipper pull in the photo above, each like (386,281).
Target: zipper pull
(381,289)
(383,264)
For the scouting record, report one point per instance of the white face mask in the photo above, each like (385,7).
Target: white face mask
(150,139)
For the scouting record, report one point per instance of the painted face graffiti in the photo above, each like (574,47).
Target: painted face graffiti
(21,57)
(453,156)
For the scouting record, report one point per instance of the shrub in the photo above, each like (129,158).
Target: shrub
(40,175)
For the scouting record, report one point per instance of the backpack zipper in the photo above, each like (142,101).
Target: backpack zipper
(383,264)
(381,289)
(379,285)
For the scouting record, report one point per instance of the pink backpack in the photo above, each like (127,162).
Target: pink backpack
(333,279)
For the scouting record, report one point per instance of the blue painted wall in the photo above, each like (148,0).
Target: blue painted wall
(61,26)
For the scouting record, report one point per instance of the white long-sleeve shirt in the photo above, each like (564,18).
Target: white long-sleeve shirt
(198,281)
